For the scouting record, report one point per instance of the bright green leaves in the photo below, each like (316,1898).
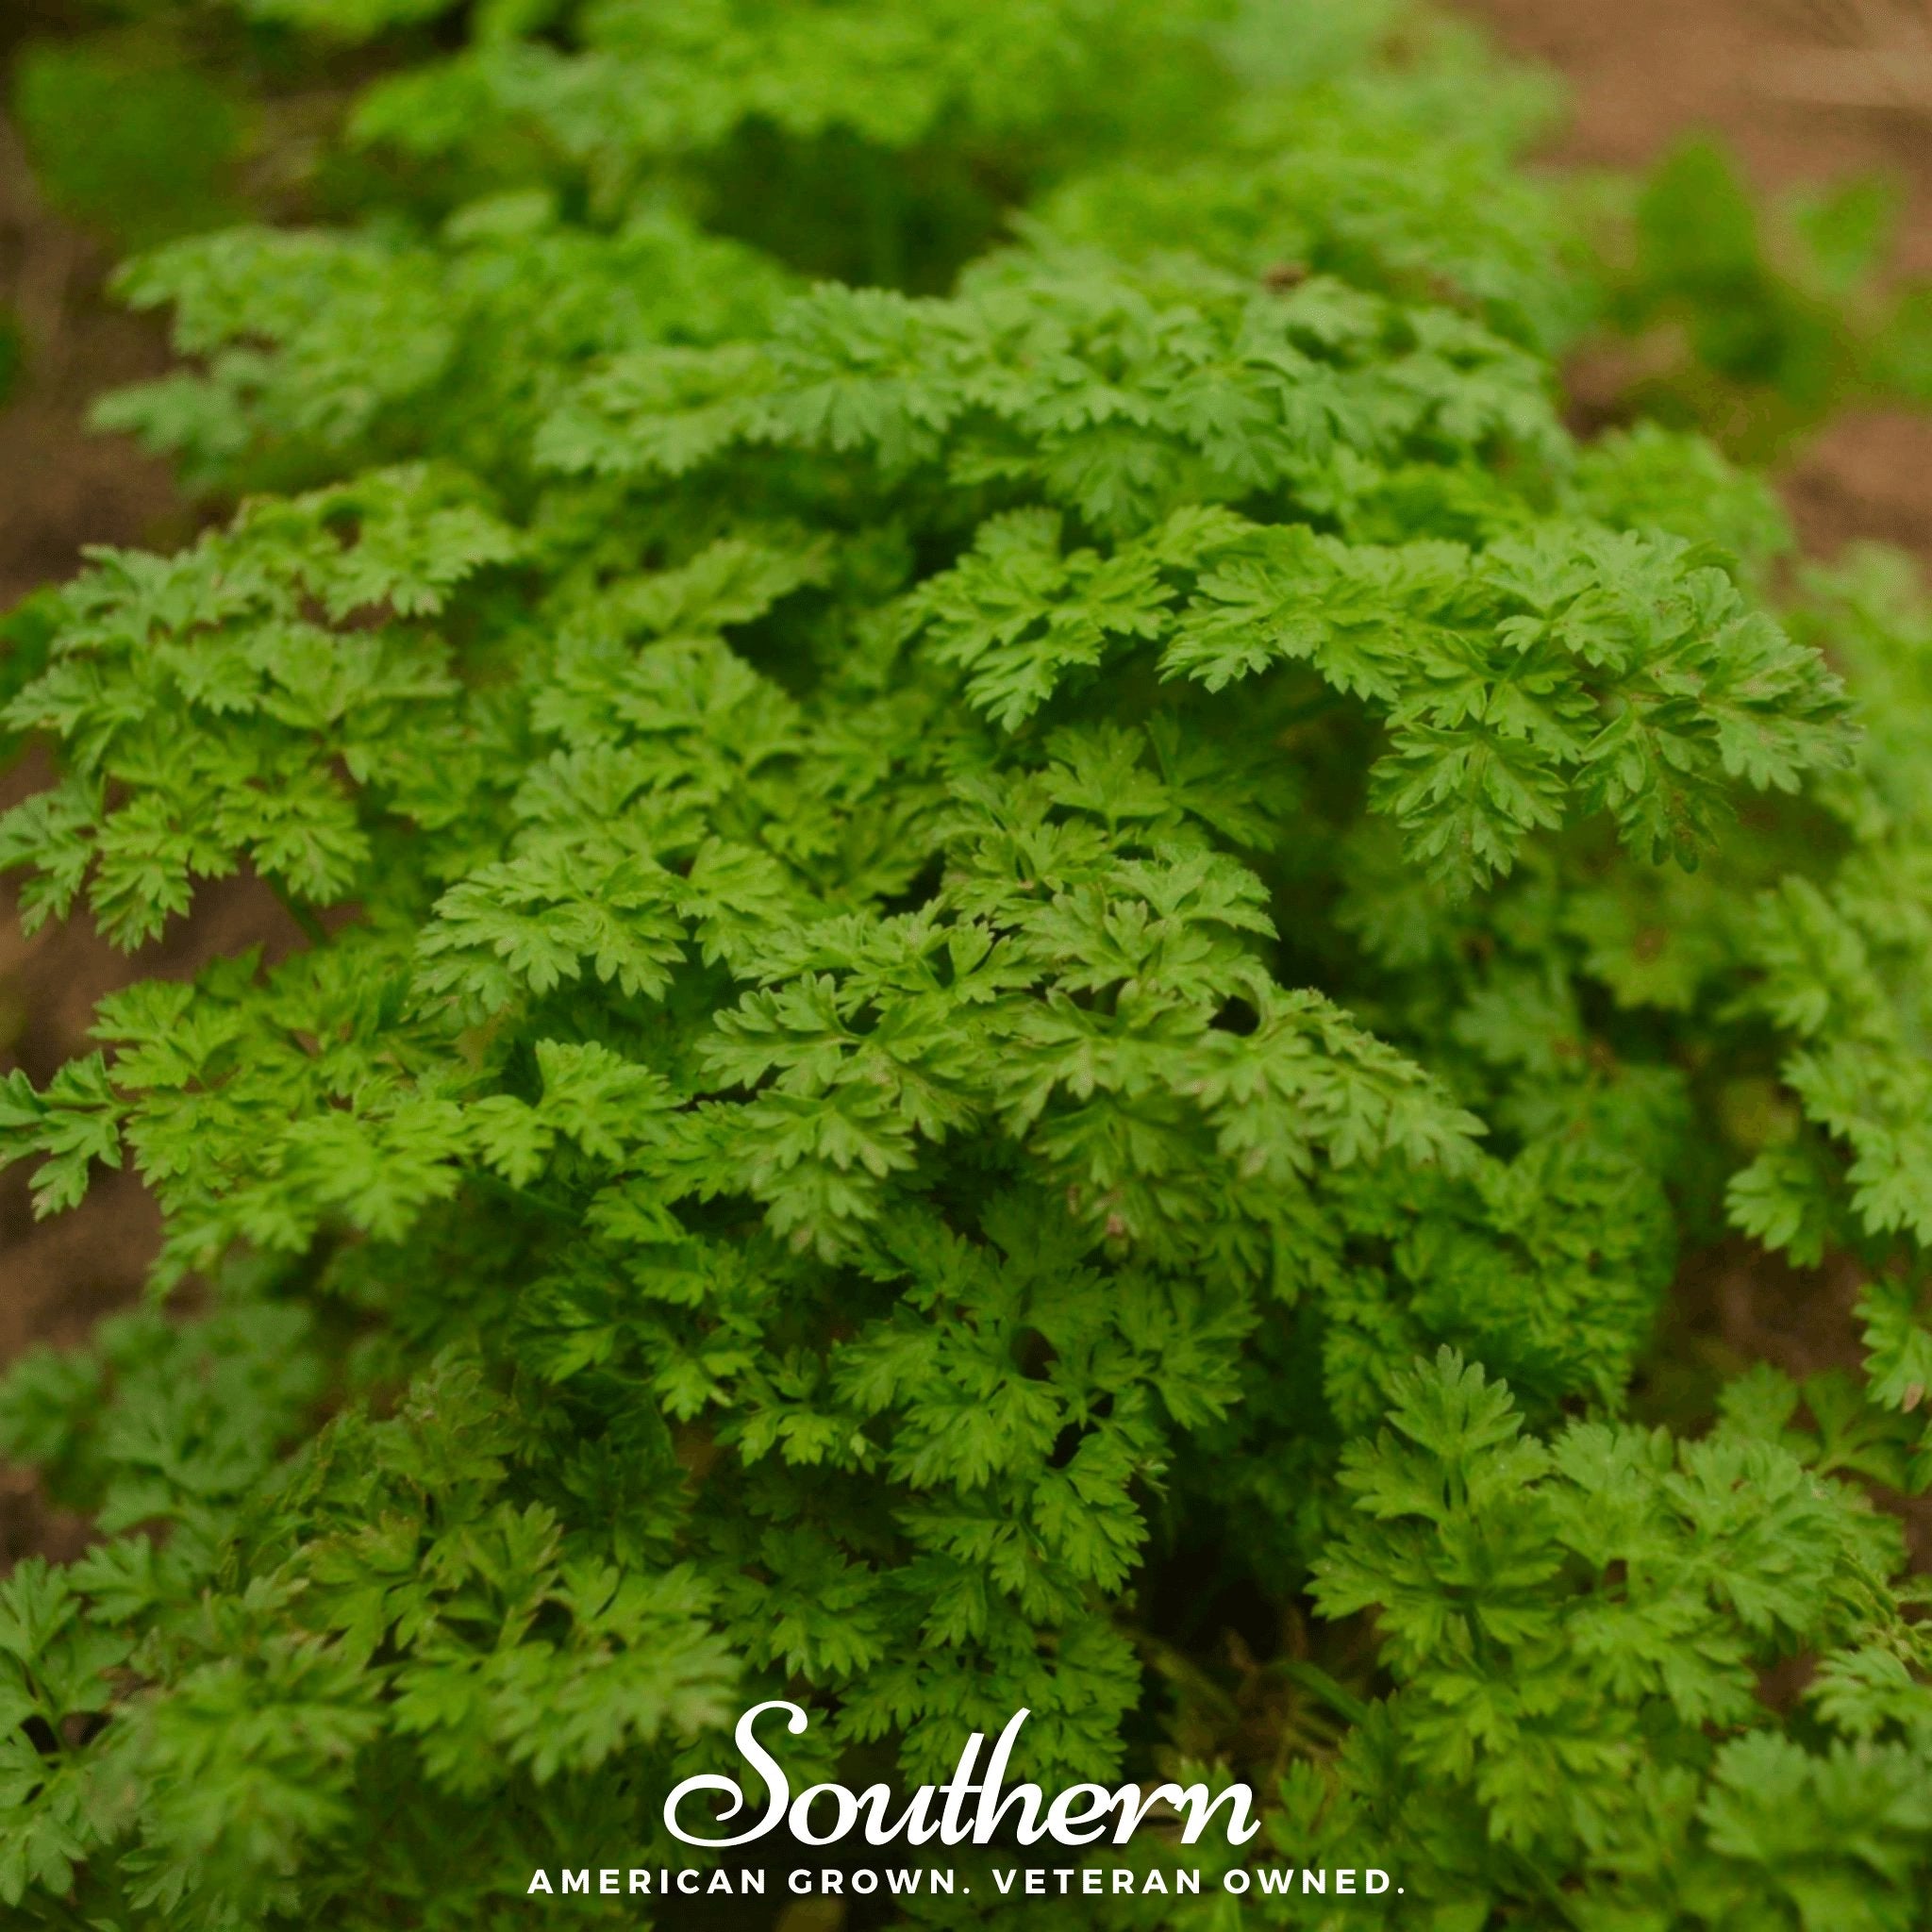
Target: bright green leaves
(667,85)
(56,1672)
(1566,1623)
(1355,179)
(1082,1011)
(1833,1838)
(1841,971)
(1839,960)
(1308,1077)
(56,1666)
(991,1361)
(1022,1398)
(1016,615)
(267,1114)
(1576,671)
(810,1609)
(475,334)
(1844,974)
(1454,1457)
(1553,1264)
(258,1107)
(598,1098)
(250,1756)
(780,112)
(1119,397)
(636,1659)
(1521,686)
(1290,596)
(389,1563)
(850,1069)
(672,755)
(1898,1362)
(233,703)
(533,921)
(509,1648)
(73,1122)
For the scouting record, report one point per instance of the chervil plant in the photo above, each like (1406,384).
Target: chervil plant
(1004,959)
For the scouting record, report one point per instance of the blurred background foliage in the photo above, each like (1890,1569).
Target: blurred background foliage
(144,121)
(12,352)
(1756,319)
(129,137)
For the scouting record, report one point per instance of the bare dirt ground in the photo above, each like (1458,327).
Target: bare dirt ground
(58,486)
(1802,90)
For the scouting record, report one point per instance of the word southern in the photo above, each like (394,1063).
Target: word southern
(1081,1815)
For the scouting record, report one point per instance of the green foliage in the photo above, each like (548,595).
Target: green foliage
(944,925)
(13,354)
(1754,323)
(1570,1624)
(128,136)
(1576,1631)
(480,325)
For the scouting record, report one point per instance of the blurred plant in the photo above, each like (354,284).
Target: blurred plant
(12,353)
(1754,320)
(128,136)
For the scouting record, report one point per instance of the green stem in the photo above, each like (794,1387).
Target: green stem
(66,1914)
(525,1198)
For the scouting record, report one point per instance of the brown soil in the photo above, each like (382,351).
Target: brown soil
(1803,91)
(60,488)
